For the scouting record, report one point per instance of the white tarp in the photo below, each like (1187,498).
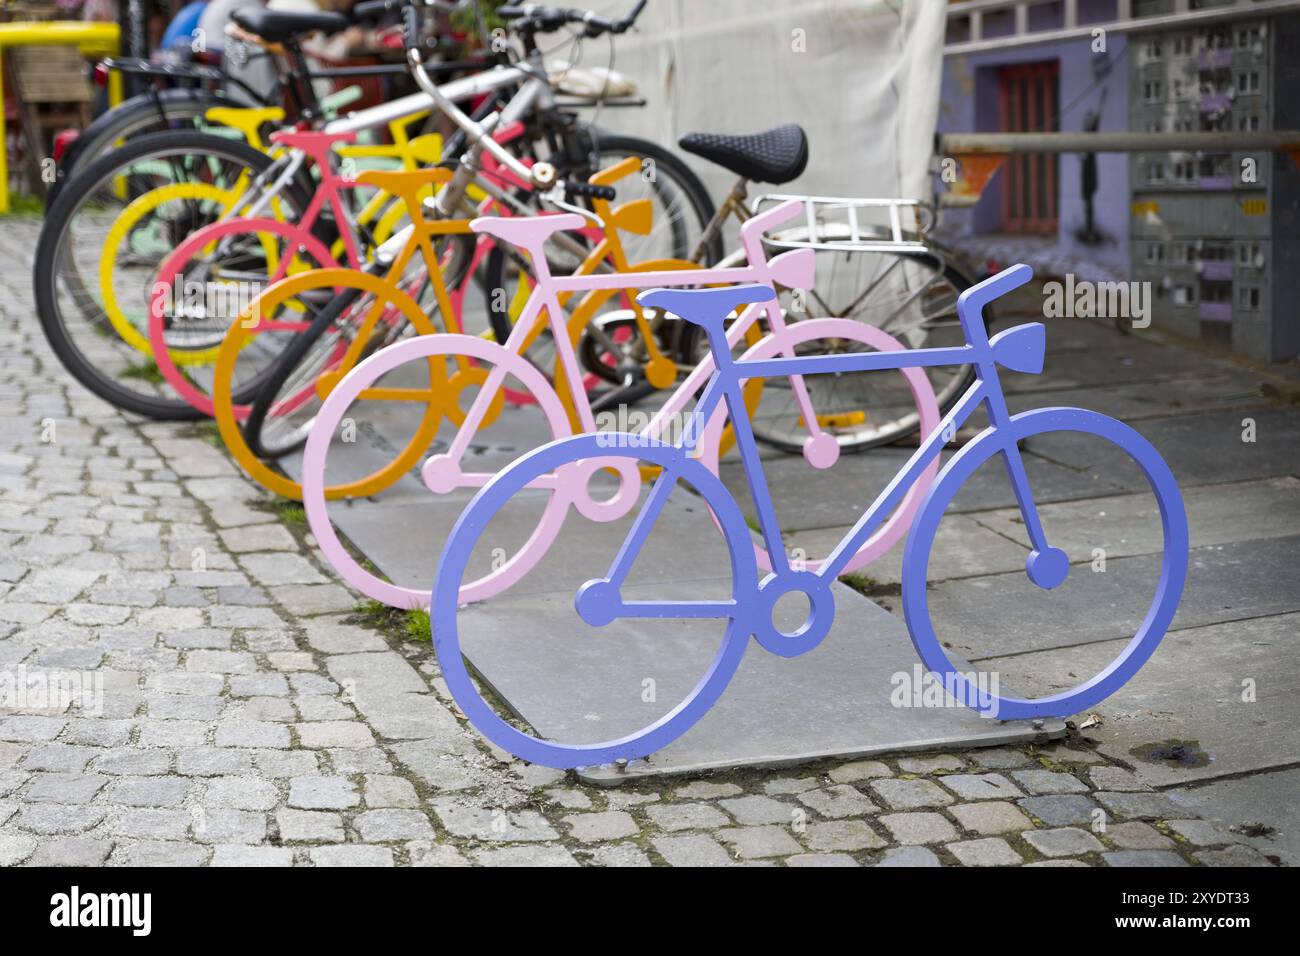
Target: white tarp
(861,77)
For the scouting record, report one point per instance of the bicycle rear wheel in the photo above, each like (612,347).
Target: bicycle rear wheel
(612,695)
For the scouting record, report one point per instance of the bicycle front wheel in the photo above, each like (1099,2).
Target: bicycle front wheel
(103,242)
(620,681)
(1062,622)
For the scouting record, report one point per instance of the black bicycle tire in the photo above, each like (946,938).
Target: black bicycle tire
(44,280)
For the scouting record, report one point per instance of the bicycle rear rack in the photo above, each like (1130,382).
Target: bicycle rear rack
(852,225)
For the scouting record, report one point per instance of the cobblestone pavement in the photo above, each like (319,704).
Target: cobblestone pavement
(245,721)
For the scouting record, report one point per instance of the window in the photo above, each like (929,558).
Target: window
(1248,82)
(1183,44)
(1248,123)
(1151,91)
(1155,253)
(1184,295)
(1028,102)
(1178,89)
(1152,49)
(1155,172)
(1248,297)
(1155,126)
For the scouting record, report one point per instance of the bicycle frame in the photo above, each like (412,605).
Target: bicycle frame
(530,234)
(1020,348)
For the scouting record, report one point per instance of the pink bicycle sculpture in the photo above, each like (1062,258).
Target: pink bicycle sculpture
(445,472)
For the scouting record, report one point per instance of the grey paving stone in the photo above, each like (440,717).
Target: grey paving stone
(572,799)
(148,791)
(601,827)
(753,843)
(14,848)
(230,826)
(249,733)
(910,794)
(672,817)
(323,793)
(1136,835)
(158,854)
(59,758)
(845,835)
(980,786)
(530,856)
(1157,858)
(259,685)
(618,854)
(131,761)
(1062,809)
(49,818)
(331,636)
(991,817)
(929,764)
(1203,832)
(351,856)
(784,786)
(916,828)
(262,537)
(695,849)
(246,856)
(1049,782)
(1138,805)
(429,853)
(1065,841)
(909,856)
(494,824)
(385,790)
(706,790)
(73,851)
(241,793)
(752,810)
(990,851)
(214,762)
(860,770)
(838,802)
(1115,778)
(63,787)
(1233,856)
(335,733)
(387,826)
(147,823)
(821,859)
(310,826)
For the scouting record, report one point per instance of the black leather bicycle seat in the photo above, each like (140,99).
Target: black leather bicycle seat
(277,26)
(775,156)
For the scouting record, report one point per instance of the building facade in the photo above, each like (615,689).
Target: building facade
(1217,235)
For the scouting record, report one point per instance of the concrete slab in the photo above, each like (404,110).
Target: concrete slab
(834,701)
(535,653)
(1268,798)
(1200,449)
(1006,614)
(1217,514)
(1191,691)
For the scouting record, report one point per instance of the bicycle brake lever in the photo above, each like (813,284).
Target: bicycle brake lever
(555,197)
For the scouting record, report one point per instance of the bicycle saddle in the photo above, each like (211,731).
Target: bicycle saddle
(775,156)
(276,26)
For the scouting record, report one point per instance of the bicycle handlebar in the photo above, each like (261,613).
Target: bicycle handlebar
(575,188)
(537,18)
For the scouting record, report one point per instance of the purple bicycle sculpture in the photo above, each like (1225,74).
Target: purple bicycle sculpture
(749,610)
